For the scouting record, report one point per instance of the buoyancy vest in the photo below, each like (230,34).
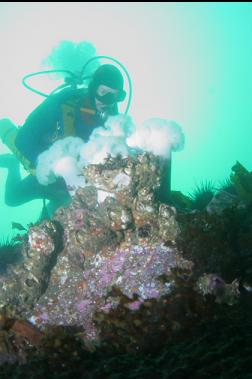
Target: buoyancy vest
(66,129)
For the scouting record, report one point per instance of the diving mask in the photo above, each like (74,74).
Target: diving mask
(111,98)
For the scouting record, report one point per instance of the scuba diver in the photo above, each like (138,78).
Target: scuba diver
(71,112)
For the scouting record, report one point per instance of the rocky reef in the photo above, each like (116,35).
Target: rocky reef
(119,270)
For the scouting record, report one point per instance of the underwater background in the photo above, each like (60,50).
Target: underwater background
(188,62)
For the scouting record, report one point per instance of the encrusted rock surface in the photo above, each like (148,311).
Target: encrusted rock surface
(24,283)
(109,266)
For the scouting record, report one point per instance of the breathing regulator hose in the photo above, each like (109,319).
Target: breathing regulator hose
(73,80)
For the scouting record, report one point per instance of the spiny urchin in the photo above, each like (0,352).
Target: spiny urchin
(202,194)
(9,254)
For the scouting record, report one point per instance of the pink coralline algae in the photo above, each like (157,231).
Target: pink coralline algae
(81,305)
(134,271)
(135,305)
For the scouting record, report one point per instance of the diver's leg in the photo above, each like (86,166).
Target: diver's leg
(6,129)
(17,190)
(13,179)
(58,196)
(20,191)
(29,189)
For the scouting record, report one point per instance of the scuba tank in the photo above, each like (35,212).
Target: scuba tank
(8,134)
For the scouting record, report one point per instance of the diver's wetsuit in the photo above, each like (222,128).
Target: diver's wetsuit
(45,125)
